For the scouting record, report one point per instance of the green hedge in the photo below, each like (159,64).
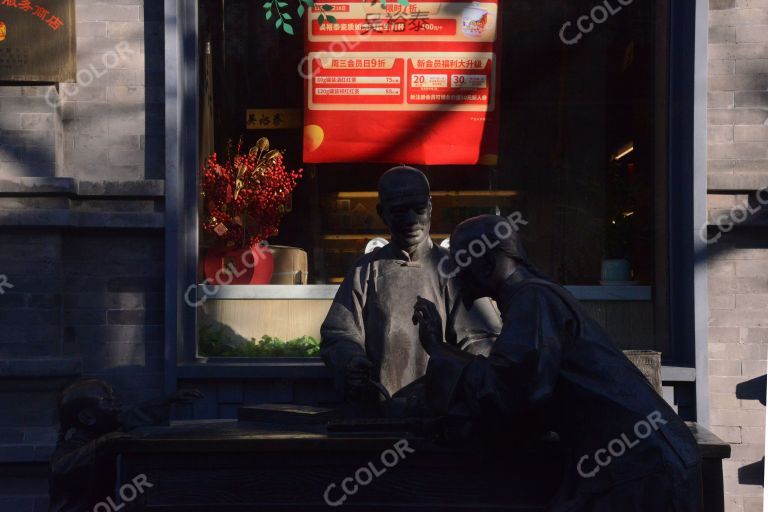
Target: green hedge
(213,344)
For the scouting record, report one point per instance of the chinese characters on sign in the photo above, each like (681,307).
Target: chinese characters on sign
(39,11)
(415,84)
(37,40)
(272,119)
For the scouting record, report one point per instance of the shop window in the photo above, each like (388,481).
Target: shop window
(583,159)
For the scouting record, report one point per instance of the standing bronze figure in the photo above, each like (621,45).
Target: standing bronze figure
(368,335)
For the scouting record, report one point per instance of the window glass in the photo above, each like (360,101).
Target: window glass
(583,152)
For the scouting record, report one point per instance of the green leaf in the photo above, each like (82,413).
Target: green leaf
(267,5)
(331,19)
(278,23)
(327,7)
(300,10)
(282,4)
(268,14)
(321,19)
(310,3)
(288,29)
(287,16)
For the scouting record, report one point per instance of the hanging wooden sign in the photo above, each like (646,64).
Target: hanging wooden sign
(273,119)
(37,41)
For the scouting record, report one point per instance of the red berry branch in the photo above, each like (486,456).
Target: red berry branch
(245,197)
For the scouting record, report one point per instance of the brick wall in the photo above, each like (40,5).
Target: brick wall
(81,238)
(109,125)
(114,127)
(738,259)
(30,133)
(76,162)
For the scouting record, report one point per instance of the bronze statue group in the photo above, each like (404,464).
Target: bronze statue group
(400,318)
(477,334)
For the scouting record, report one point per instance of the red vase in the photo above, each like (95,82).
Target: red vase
(246,265)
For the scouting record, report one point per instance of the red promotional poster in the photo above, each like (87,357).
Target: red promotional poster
(414,83)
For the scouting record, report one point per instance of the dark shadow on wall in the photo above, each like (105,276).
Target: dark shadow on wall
(154,81)
(731,234)
(752,389)
(752,474)
(112,308)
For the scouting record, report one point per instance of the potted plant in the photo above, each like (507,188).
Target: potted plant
(243,201)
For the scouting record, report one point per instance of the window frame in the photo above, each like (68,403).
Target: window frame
(686,211)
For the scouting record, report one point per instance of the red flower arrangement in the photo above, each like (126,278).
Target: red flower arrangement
(245,198)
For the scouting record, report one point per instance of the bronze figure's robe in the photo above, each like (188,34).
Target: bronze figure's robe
(552,364)
(372,314)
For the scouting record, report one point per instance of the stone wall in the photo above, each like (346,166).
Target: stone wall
(81,235)
(738,259)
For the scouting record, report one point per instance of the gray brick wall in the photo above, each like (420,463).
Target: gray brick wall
(113,127)
(109,125)
(111,309)
(738,260)
(81,240)
(31,140)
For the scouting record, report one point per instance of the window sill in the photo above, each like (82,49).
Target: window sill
(276,368)
(328,292)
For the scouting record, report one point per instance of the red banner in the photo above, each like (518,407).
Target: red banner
(414,84)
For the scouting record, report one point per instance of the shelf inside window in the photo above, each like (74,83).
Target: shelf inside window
(371,236)
(372,194)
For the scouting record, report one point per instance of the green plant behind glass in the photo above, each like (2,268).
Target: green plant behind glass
(212,343)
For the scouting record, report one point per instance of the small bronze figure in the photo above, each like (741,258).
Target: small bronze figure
(554,365)
(91,417)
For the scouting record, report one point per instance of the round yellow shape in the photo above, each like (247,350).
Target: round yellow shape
(313,137)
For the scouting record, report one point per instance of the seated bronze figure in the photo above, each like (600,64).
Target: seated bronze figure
(554,366)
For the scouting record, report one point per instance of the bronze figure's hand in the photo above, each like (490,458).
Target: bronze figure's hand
(428,319)
(358,372)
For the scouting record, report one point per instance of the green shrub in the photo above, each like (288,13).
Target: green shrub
(213,343)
